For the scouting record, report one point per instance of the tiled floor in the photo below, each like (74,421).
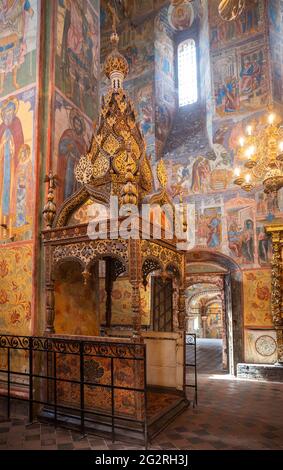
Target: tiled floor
(231,414)
(209,355)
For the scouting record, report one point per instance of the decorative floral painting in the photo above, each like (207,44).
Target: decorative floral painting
(15,288)
(257,298)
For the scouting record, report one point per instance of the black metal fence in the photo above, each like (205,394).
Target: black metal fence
(92,382)
(191,364)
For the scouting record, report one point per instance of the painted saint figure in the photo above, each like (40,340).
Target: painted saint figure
(14,18)
(235,240)
(22,198)
(263,246)
(78,58)
(251,74)
(227,95)
(248,241)
(71,146)
(200,175)
(213,239)
(11,140)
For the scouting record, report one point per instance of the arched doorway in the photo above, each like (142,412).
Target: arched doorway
(214,287)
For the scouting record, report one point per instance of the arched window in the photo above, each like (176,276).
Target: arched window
(187,72)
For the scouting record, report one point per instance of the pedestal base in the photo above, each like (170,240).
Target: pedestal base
(268,372)
(163,406)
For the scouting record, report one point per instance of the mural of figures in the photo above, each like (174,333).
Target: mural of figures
(241,241)
(163,122)
(11,139)
(240,79)
(77,65)
(264,246)
(165,93)
(72,136)
(252,76)
(18,23)
(71,146)
(23,187)
(181,14)
(200,175)
(247,24)
(143,97)
(248,242)
(227,98)
(214,227)
(16,164)
(209,227)
(241,230)
(275,10)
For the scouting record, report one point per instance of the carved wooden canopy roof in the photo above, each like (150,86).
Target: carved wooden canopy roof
(118,151)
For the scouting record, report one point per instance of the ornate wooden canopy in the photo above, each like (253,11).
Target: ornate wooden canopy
(116,165)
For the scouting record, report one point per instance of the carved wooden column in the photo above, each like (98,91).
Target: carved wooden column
(182,308)
(49,293)
(49,213)
(182,296)
(135,274)
(276,232)
(175,306)
(50,308)
(108,289)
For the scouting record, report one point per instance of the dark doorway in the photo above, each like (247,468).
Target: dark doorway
(218,277)
(162,307)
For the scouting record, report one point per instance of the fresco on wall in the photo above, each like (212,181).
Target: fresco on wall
(241,79)
(15,288)
(241,230)
(122,303)
(181,15)
(165,94)
(16,165)
(260,346)
(275,10)
(249,23)
(137,45)
(18,33)
(264,245)
(141,93)
(257,298)
(209,227)
(202,175)
(77,53)
(73,133)
(75,306)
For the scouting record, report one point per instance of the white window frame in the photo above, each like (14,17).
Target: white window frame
(187,73)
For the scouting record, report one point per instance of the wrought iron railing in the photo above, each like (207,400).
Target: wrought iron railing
(93,382)
(191,363)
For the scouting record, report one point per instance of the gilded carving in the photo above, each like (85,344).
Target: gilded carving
(116,164)
(163,254)
(100,166)
(162,174)
(86,252)
(276,232)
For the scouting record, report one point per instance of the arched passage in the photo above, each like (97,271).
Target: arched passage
(219,270)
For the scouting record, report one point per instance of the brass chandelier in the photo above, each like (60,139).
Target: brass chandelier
(262,151)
